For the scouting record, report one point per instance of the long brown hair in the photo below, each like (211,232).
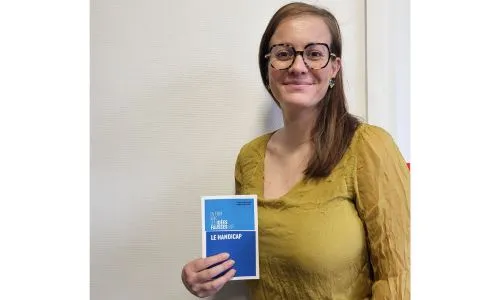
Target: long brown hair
(335,126)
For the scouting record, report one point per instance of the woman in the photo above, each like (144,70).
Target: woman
(333,193)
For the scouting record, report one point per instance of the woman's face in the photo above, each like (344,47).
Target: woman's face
(299,85)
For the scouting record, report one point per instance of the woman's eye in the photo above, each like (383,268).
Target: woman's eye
(282,54)
(315,54)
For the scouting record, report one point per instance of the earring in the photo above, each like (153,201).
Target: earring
(332,82)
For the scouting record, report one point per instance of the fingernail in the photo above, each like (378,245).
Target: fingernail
(231,262)
(225,255)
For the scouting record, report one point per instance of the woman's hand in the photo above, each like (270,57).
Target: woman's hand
(198,274)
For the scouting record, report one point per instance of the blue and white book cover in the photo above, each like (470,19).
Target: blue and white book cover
(229,224)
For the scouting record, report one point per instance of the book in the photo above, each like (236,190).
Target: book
(230,224)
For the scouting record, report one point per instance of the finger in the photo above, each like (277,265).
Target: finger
(219,282)
(211,287)
(208,274)
(203,263)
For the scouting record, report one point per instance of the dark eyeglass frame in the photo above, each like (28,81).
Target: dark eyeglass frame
(301,53)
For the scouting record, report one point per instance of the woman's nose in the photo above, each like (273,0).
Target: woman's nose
(298,65)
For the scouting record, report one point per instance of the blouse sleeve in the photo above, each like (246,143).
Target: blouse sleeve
(383,200)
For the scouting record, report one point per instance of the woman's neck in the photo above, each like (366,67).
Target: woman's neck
(298,126)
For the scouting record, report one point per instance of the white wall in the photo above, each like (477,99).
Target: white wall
(175,92)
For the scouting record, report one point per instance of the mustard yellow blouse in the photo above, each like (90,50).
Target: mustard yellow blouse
(346,237)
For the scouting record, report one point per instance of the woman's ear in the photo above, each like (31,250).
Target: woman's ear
(336,65)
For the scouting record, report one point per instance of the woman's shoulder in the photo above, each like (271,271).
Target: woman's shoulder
(372,136)
(250,156)
(373,145)
(255,146)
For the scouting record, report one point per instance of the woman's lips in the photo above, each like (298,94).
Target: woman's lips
(297,86)
(297,83)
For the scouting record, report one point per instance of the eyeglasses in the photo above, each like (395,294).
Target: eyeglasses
(315,55)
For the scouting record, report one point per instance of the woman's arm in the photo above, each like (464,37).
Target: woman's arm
(383,202)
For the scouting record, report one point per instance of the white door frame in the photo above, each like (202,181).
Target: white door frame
(388,68)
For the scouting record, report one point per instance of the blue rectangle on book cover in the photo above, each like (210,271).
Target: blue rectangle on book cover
(229,214)
(239,244)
